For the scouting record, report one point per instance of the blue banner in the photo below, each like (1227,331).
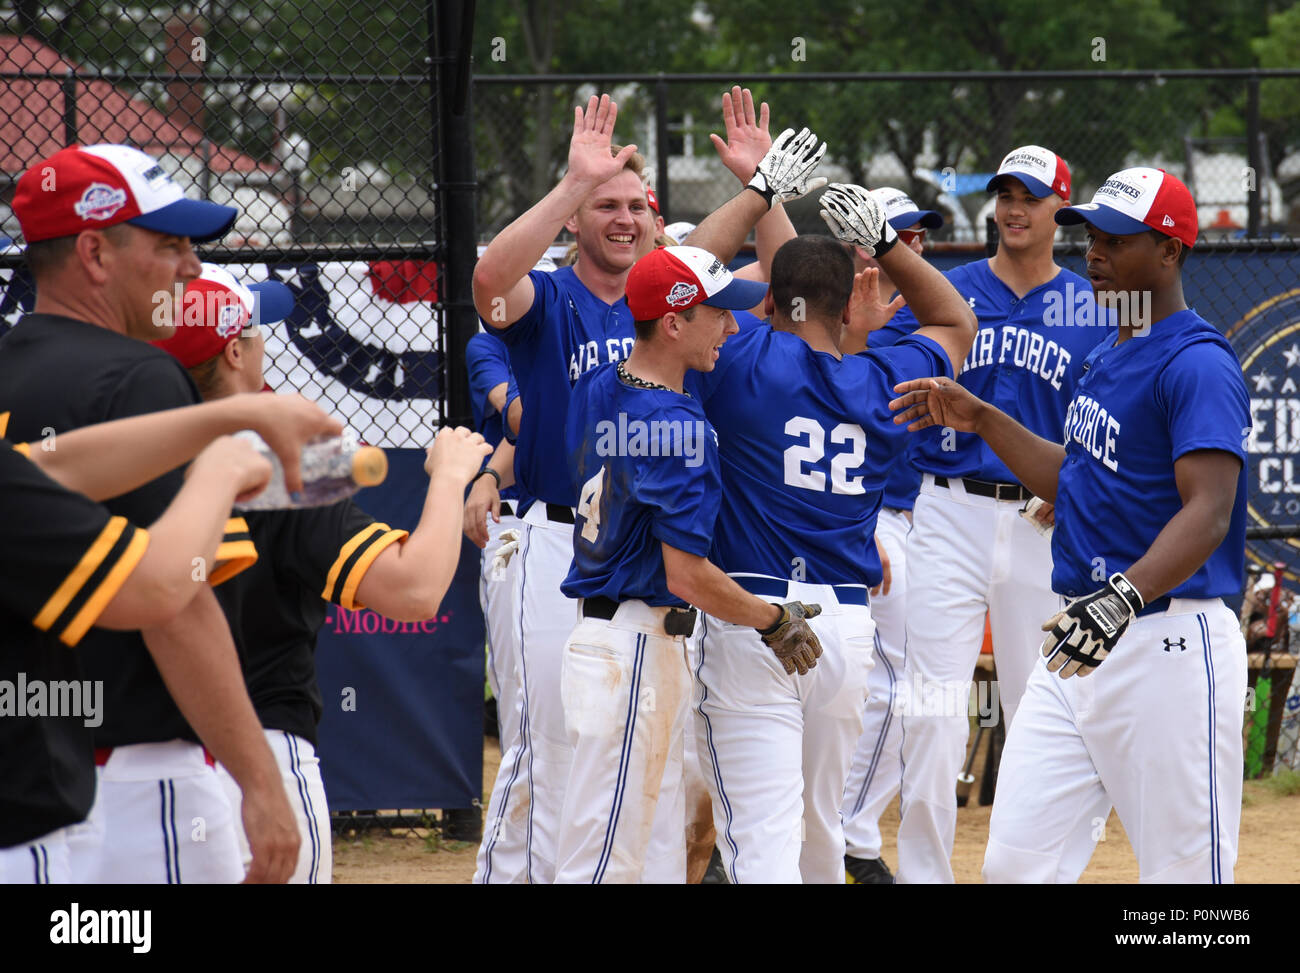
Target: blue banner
(1254,299)
(403,722)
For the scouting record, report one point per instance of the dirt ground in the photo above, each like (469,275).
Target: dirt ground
(1269,845)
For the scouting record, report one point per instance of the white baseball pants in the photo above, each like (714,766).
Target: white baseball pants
(519,840)
(40,862)
(160,817)
(626,687)
(501,854)
(300,771)
(1155,731)
(966,555)
(877,763)
(779,746)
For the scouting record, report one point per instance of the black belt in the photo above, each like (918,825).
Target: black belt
(998,491)
(678,621)
(507,508)
(845,594)
(559,514)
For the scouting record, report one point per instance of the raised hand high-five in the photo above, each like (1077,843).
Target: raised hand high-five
(748,138)
(590,161)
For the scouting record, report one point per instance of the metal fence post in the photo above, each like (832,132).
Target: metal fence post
(450,37)
(1253,158)
(70,108)
(662,189)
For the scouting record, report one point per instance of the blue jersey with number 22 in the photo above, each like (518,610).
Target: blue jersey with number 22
(806,441)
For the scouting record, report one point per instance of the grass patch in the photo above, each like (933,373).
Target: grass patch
(1284,784)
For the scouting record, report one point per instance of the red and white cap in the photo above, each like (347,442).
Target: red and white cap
(96,186)
(652,200)
(215,310)
(1041,170)
(1136,200)
(676,278)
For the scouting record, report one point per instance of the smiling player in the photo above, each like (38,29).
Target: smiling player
(1150,494)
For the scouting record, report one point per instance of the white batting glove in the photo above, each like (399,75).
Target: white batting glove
(783,174)
(855,216)
(1080,638)
(505,551)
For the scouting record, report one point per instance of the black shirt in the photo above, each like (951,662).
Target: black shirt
(62,559)
(306,558)
(59,374)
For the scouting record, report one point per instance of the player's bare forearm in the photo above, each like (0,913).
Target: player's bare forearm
(723,231)
(112,458)
(408,581)
(1035,461)
(497,396)
(700,582)
(939,309)
(1207,483)
(502,270)
(196,657)
(182,544)
(515,415)
(770,234)
(503,461)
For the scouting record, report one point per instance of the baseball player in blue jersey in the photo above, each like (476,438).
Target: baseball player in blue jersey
(490,386)
(803,470)
(1150,494)
(877,764)
(558,326)
(969,551)
(646,467)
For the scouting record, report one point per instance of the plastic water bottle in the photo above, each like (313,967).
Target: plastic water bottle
(332,470)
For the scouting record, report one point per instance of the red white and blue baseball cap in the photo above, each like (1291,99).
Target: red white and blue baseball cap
(215,310)
(901,212)
(1041,170)
(96,186)
(676,278)
(1136,200)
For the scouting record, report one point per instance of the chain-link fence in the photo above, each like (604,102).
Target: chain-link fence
(326,124)
(1232,135)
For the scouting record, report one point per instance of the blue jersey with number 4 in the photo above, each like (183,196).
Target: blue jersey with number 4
(1026,358)
(645,470)
(566,332)
(806,442)
(1140,406)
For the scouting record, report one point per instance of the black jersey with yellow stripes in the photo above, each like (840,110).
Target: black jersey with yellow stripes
(59,374)
(62,560)
(305,558)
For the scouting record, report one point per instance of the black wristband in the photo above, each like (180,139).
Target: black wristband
(487,471)
(883,248)
(775,625)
